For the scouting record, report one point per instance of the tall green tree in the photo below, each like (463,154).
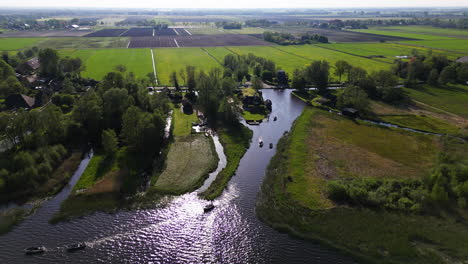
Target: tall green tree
(49,61)
(109,142)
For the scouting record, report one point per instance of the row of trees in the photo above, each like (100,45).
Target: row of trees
(290,39)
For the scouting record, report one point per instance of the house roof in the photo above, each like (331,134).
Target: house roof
(19,101)
(463,59)
(28,100)
(34,63)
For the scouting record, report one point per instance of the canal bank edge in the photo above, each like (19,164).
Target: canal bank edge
(235,140)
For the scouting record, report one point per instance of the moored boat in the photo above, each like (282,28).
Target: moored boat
(208,208)
(76,247)
(34,250)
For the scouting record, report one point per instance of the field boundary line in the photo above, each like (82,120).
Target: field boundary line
(175,31)
(212,56)
(188,32)
(154,67)
(154,32)
(232,51)
(177,44)
(128,45)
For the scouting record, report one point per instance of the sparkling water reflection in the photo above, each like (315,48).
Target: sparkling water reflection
(180,232)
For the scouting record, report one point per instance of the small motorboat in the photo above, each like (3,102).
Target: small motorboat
(275,118)
(74,247)
(271,145)
(34,250)
(208,208)
(260,142)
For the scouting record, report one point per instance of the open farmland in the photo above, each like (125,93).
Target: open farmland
(414,36)
(107,33)
(182,32)
(428,30)
(289,58)
(84,43)
(385,52)
(196,41)
(45,34)
(218,53)
(165,32)
(99,62)
(138,32)
(18,43)
(169,60)
(459,45)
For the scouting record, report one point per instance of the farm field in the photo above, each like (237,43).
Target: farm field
(460,45)
(312,52)
(433,31)
(388,50)
(107,33)
(18,43)
(166,41)
(452,99)
(84,43)
(218,53)
(99,62)
(169,60)
(401,34)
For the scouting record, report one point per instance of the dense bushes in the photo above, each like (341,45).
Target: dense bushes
(407,195)
(29,169)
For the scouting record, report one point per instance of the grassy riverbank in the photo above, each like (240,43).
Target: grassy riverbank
(236,141)
(324,147)
(189,161)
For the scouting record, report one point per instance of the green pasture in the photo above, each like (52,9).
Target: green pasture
(382,31)
(18,43)
(458,45)
(388,50)
(312,52)
(169,60)
(98,62)
(84,43)
(433,31)
(453,98)
(218,53)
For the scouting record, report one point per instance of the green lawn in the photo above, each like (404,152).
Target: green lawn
(388,50)
(169,60)
(457,45)
(18,43)
(189,161)
(183,122)
(382,31)
(453,98)
(99,62)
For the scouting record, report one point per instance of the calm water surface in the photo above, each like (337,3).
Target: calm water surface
(180,232)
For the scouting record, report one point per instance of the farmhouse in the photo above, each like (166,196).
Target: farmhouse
(15,101)
(463,59)
(350,112)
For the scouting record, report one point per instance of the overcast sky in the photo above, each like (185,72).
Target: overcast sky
(232,3)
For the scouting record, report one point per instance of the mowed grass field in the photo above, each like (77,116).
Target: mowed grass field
(169,60)
(98,62)
(458,45)
(19,43)
(434,31)
(388,50)
(453,99)
(418,36)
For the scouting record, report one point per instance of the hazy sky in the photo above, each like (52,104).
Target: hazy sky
(232,3)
